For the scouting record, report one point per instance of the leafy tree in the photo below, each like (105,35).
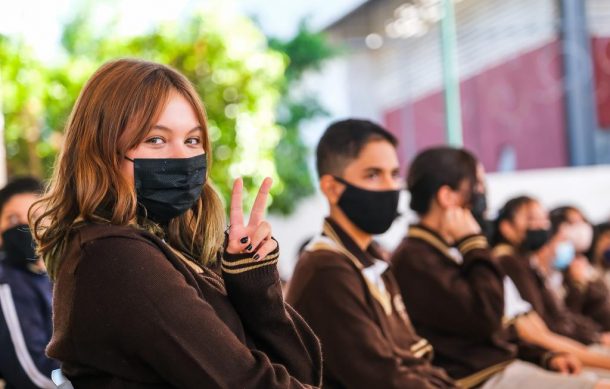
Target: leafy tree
(241,78)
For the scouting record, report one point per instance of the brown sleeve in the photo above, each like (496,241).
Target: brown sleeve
(463,300)
(527,284)
(576,294)
(254,288)
(529,352)
(356,352)
(155,315)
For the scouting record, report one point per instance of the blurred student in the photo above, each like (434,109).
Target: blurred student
(528,251)
(455,291)
(342,284)
(543,252)
(600,250)
(25,293)
(583,288)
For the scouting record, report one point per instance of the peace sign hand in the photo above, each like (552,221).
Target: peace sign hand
(255,237)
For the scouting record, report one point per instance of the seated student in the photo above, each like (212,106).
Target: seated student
(133,233)
(584,288)
(531,272)
(342,285)
(25,293)
(521,229)
(600,250)
(454,290)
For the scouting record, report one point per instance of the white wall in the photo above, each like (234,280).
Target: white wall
(489,32)
(587,188)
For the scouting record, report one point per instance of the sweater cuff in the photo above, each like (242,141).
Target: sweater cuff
(235,264)
(472,242)
(547,357)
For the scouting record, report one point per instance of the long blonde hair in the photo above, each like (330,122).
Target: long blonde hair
(113,114)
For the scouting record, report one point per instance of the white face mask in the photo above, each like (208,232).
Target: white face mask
(581,235)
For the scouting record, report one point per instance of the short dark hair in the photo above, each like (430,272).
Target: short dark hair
(19,185)
(343,141)
(435,167)
(508,213)
(559,216)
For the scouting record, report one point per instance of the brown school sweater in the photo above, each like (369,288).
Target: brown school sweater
(455,298)
(532,287)
(128,313)
(367,339)
(590,299)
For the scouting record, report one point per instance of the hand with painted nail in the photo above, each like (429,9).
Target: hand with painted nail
(254,237)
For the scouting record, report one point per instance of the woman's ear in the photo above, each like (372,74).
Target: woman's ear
(507,230)
(331,188)
(446,197)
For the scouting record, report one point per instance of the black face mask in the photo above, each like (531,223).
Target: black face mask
(535,239)
(168,187)
(371,211)
(19,246)
(478,205)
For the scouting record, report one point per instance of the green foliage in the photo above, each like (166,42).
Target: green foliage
(240,78)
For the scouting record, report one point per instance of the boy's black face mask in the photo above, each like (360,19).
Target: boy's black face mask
(535,239)
(19,245)
(168,187)
(371,211)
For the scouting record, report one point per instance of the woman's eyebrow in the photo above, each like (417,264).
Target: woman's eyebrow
(164,128)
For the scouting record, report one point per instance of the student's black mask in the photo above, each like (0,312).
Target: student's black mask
(535,239)
(168,187)
(478,207)
(19,245)
(478,204)
(371,211)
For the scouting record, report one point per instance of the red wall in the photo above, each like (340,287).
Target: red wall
(601,66)
(519,103)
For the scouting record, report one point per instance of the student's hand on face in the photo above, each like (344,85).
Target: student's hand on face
(254,237)
(580,270)
(459,223)
(565,364)
(604,339)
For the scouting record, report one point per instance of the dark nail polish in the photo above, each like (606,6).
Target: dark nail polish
(249,247)
(256,257)
(244,240)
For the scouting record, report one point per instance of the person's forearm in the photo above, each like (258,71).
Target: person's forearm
(530,328)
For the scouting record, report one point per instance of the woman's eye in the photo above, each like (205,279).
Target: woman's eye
(193,141)
(155,140)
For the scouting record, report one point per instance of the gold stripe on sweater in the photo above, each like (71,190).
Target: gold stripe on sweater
(418,233)
(503,250)
(247,261)
(245,269)
(474,243)
(421,348)
(423,352)
(479,377)
(383,298)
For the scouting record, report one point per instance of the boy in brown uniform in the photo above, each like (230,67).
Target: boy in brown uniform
(455,292)
(342,285)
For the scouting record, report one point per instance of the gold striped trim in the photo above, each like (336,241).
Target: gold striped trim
(423,352)
(479,377)
(383,298)
(502,250)
(416,232)
(245,269)
(473,239)
(473,245)
(247,261)
(421,348)
(421,343)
